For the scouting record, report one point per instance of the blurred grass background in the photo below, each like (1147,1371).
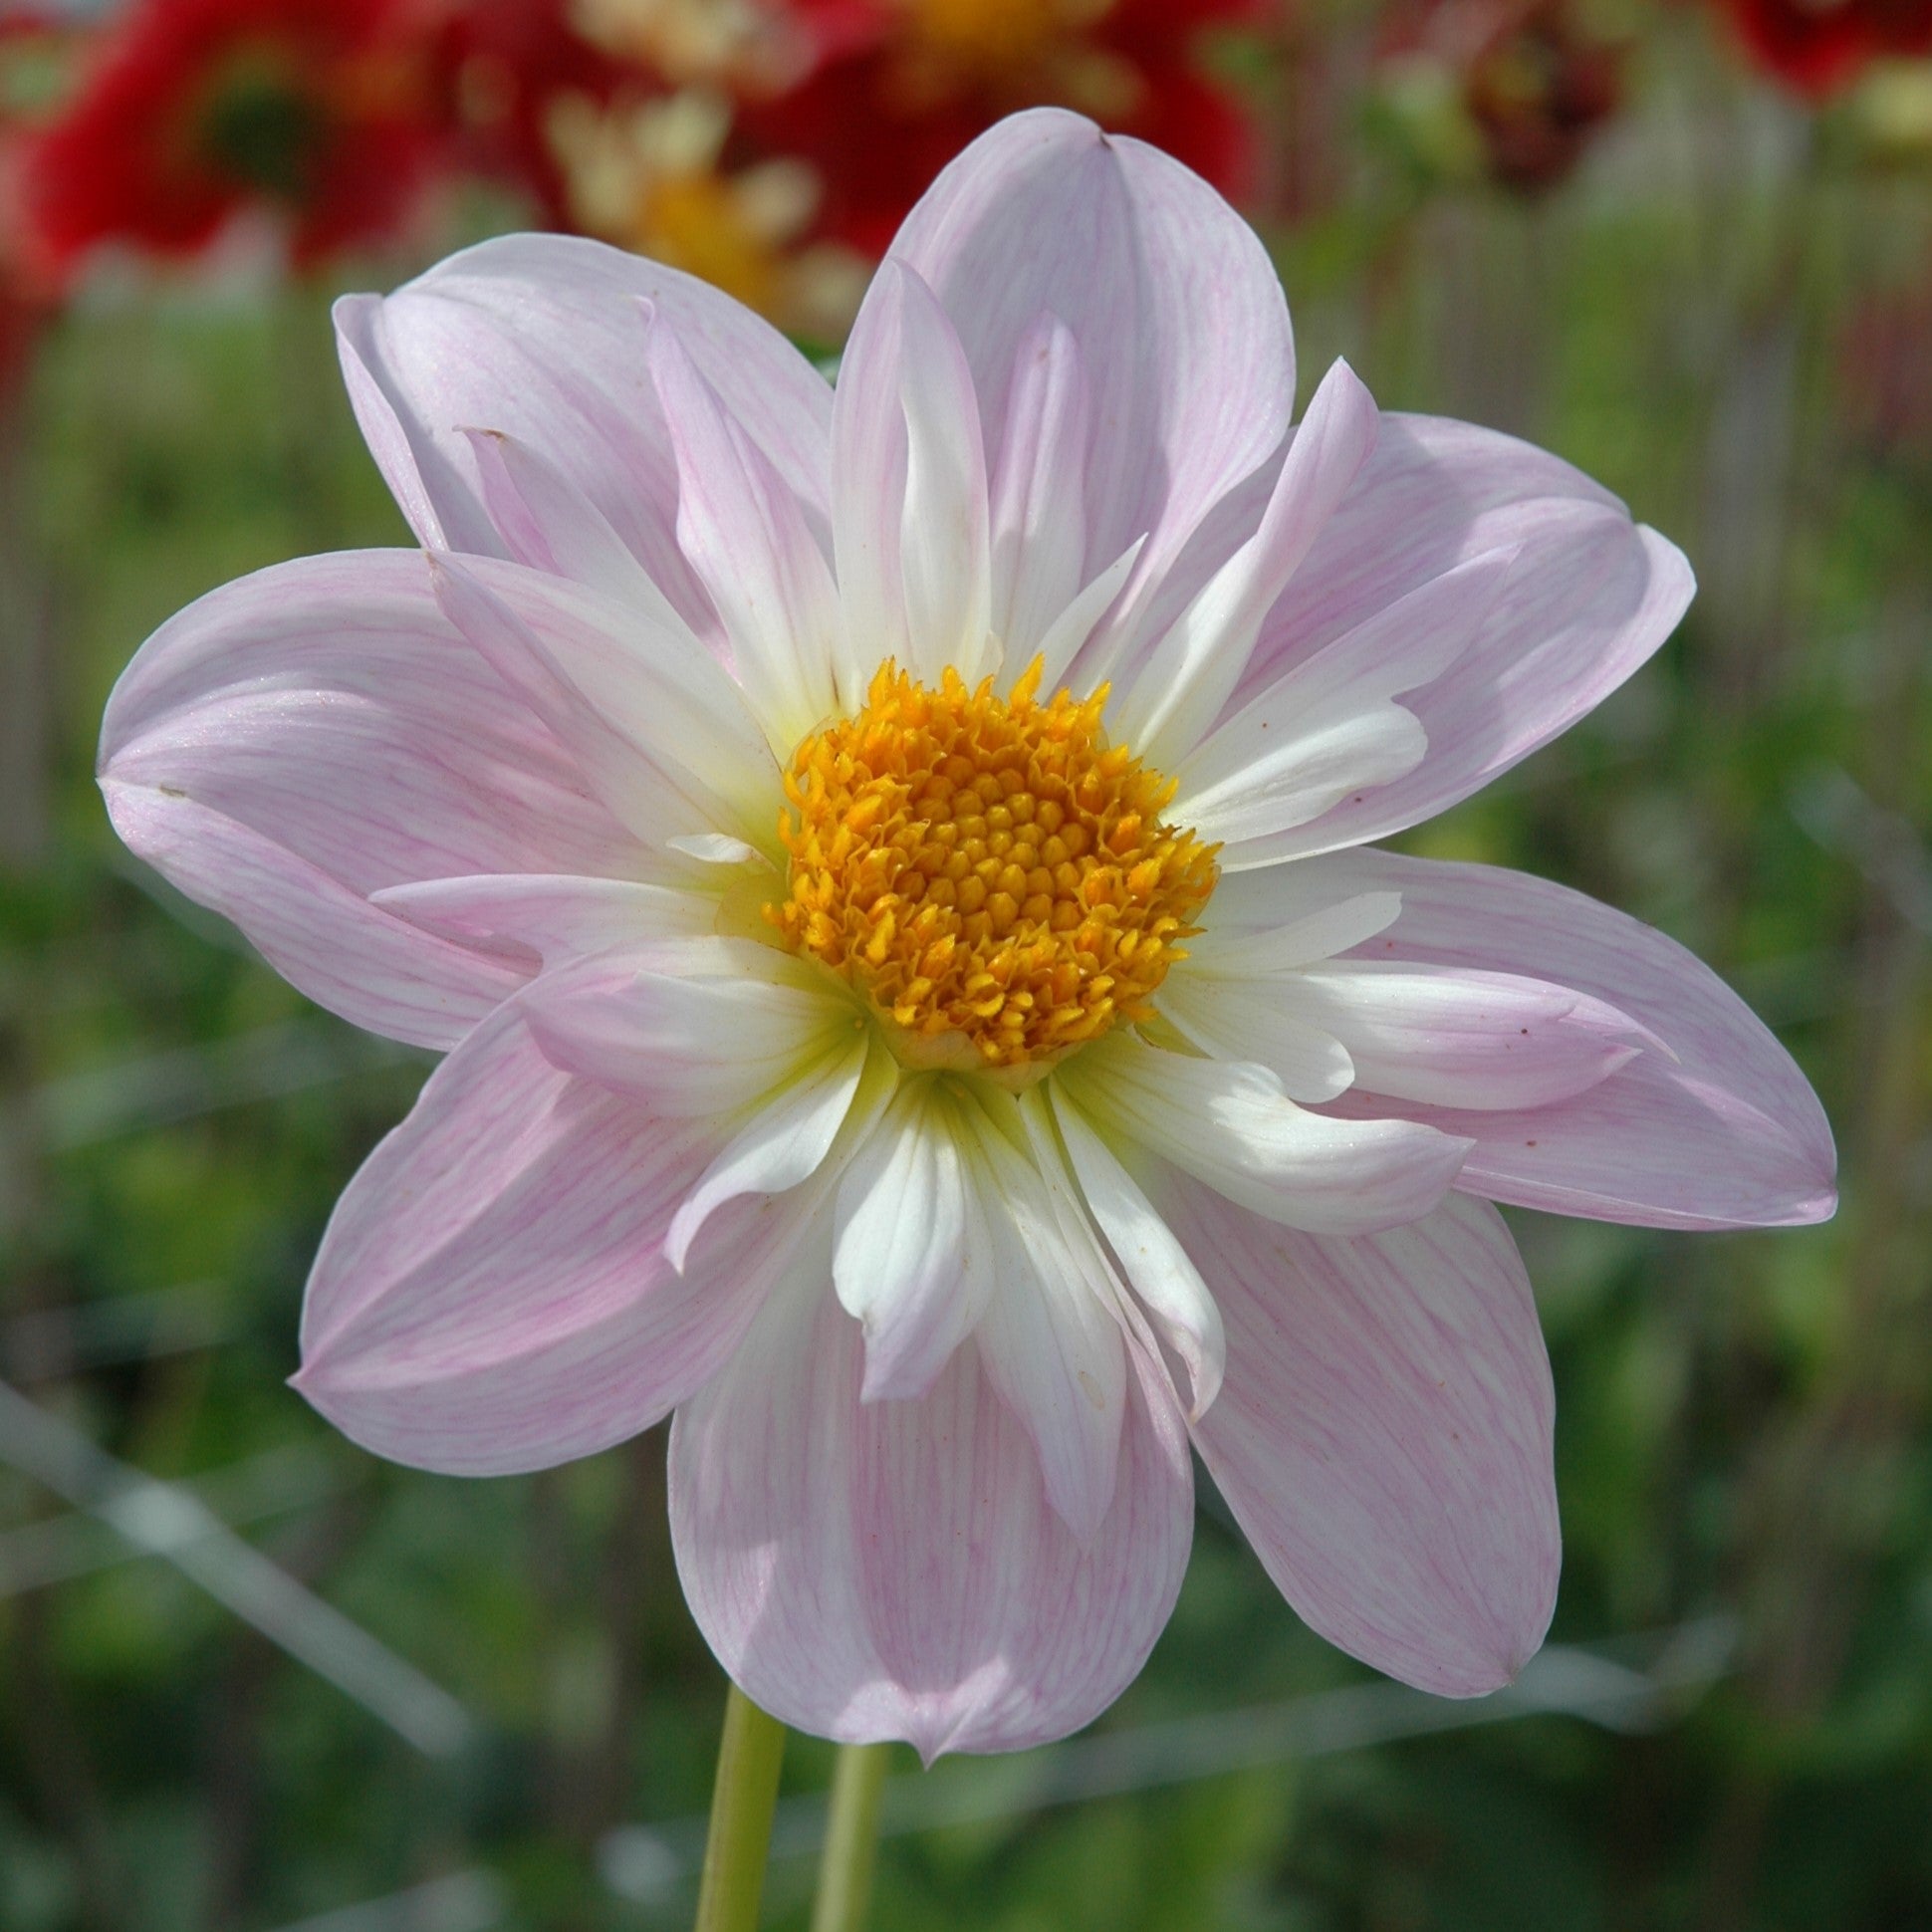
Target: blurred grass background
(1720,317)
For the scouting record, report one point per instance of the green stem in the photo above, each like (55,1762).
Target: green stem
(742,1802)
(851,1839)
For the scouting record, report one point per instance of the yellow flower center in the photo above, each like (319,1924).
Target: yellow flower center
(990,872)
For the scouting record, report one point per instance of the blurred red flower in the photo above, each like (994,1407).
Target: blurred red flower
(323,113)
(32,46)
(1534,78)
(506,66)
(897,87)
(1816,46)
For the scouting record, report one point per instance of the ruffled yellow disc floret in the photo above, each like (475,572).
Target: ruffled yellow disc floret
(992,874)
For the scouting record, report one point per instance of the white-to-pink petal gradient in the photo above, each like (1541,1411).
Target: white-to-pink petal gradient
(935,1347)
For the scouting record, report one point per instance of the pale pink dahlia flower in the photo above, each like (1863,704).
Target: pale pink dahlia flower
(888,866)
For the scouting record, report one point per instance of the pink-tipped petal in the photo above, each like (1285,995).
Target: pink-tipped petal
(747,537)
(1039,492)
(1718,1129)
(1229,1124)
(492,1294)
(303,738)
(541,337)
(894,1570)
(1175,309)
(1591,597)
(1182,684)
(1383,1433)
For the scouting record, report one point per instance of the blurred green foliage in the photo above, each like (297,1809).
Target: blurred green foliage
(1743,1420)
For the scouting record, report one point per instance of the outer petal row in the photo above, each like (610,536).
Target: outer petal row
(895,1569)
(304,737)
(1383,1433)
(1716,1129)
(492,1294)
(542,337)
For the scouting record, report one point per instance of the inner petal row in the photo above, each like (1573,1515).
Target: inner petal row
(992,874)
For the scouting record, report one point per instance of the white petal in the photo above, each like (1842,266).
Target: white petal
(1074,624)
(1050,1342)
(869,491)
(784,1142)
(1384,1435)
(894,1570)
(1289,919)
(1720,1130)
(1229,1124)
(1256,1019)
(912,1254)
(1155,1263)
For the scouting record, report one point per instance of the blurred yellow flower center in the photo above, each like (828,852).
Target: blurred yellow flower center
(992,874)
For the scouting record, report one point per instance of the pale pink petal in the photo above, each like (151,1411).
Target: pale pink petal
(1590,598)
(376,971)
(868,470)
(909,506)
(1180,686)
(306,736)
(1228,1123)
(1267,780)
(542,337)
(943,543)
(549,523)
(1169,1284)
(1039,492)
(1173,303)
(693,1029)
(492,1294)
(790,1134)
(1383,1433)
(894,1570)
(1724,1134)
(558,916)
(912,1258)
(746,536)
(1458,1037)
(661,731)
